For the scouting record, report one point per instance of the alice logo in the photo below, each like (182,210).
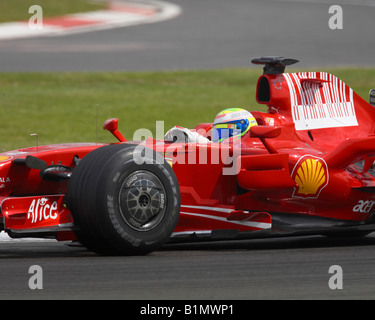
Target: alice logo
(41,210)
(311,176)
(36,20)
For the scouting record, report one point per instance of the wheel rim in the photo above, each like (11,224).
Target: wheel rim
(142,200)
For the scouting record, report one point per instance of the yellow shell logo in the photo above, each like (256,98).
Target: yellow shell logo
(4,158)
(311,176)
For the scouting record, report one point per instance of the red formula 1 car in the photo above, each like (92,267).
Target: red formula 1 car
(306,168)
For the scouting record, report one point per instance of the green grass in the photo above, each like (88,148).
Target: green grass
(17,10)
(61,107)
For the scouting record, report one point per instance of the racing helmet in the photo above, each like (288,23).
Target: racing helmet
(232,123)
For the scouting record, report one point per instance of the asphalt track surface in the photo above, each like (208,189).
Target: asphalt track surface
(208,34)
(293,268)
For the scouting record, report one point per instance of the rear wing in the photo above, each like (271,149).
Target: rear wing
(274,65)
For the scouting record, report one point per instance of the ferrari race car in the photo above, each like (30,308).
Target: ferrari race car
(307,167)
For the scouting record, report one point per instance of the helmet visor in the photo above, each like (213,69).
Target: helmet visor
(224,131)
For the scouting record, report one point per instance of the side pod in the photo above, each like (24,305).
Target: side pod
(269,171)
(350,150)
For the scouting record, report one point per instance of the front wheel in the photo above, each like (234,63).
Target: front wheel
(120,205)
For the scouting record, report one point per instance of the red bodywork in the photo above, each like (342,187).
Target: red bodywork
(307,168)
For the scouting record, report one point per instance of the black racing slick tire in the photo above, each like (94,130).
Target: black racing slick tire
(125,200)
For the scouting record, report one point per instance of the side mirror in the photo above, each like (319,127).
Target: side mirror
(111,125)
(372,97)
(264,132)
